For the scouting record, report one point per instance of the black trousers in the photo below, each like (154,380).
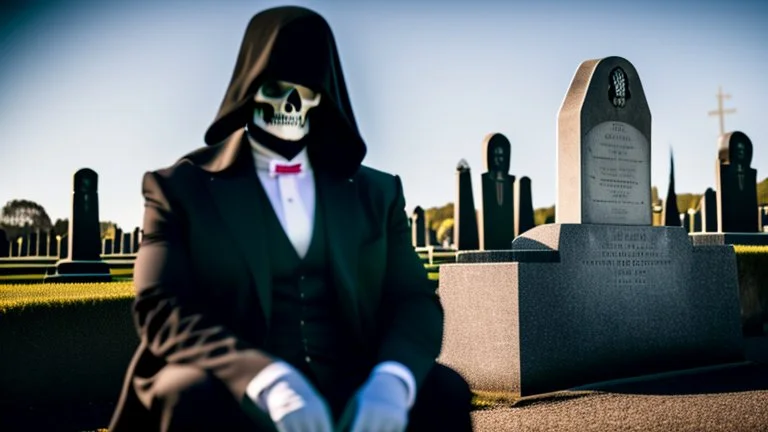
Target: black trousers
(187,399)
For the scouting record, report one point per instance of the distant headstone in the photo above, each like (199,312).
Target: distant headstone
(696,221)
(84,263)
(498,194)
(418,228)
(764,216)
(604,132)
(42,243)
(736,185)
(53,245)
(523,206)
(24,245)
(432,237)
(117,243)
(5,246)
(670,214)
(708,205)
(136,240)
(606,295)
(685,221)
(64,247)
(107,247)
(32,242)
(465,228)
(126,243)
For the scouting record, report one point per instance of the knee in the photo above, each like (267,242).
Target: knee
(448,385)
(177,384)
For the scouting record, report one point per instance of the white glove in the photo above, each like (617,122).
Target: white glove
(382,404)
(293,404)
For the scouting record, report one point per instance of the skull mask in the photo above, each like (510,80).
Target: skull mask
(282,107)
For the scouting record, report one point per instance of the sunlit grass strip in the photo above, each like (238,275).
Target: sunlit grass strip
(744,249)
(17,297)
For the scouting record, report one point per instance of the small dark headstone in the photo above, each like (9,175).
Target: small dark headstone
(24,248)
(135,240)
(5,246)
(42,243)
(764,217)
(523,206)
(670,215)
(53,244)
(709,211)
(84,263)
(32,239)
(126,243)
(64,247)
(685,221)
(107,247)
(16,247)
(498,194)
(696,221)
(418,228)
(465,216)
(432,237)
(117,244)
(736,185)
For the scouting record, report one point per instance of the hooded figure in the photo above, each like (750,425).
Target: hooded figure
(276,284)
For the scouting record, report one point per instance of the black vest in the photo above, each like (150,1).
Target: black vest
(306,328)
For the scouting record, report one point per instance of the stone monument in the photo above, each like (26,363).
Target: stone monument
(708,206)
(84,262)
(601,294)
(465,231)
(418,228)
(736,185)
(523,206)
(498,194)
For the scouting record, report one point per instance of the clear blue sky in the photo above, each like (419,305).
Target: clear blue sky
(126,87)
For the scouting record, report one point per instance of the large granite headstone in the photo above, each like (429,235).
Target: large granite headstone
(418,228)
(736,185)
(84,263)
(498,194)
(576,303)
(523,206)
(465,230)
(603,135)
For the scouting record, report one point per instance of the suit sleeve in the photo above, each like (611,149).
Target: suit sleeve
(413,315)
(173,328)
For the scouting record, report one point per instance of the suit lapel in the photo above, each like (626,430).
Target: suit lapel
(339,201)
(235,197)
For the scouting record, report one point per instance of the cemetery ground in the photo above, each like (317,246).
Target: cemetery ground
(72,342)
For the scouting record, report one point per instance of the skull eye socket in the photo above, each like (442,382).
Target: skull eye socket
(279,89)
(272,89)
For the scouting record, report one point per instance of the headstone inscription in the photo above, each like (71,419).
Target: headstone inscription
(465,228)
(498,194)
(418,228)
(736,185)
(523,206)
(622,298)
(84,263)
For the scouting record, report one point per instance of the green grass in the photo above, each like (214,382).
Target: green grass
(17,296)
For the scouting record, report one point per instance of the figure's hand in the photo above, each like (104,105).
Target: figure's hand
(289,399)
(382,405)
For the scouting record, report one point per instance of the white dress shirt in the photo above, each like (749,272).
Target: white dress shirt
(293,200)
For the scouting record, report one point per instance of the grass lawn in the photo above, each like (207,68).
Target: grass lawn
(18,296)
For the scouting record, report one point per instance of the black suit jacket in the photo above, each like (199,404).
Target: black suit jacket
(203,289)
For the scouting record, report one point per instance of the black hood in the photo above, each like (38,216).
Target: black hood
(294,44)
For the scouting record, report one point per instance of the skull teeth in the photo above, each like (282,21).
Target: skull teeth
(285,120)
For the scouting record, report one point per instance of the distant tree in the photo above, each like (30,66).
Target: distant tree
(544,215)
(21,216)
(762,192)
(436,215)
(687,201)
(107,229)
(445,230)
(61,227)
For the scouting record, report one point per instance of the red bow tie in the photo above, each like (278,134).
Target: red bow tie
(276,169)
